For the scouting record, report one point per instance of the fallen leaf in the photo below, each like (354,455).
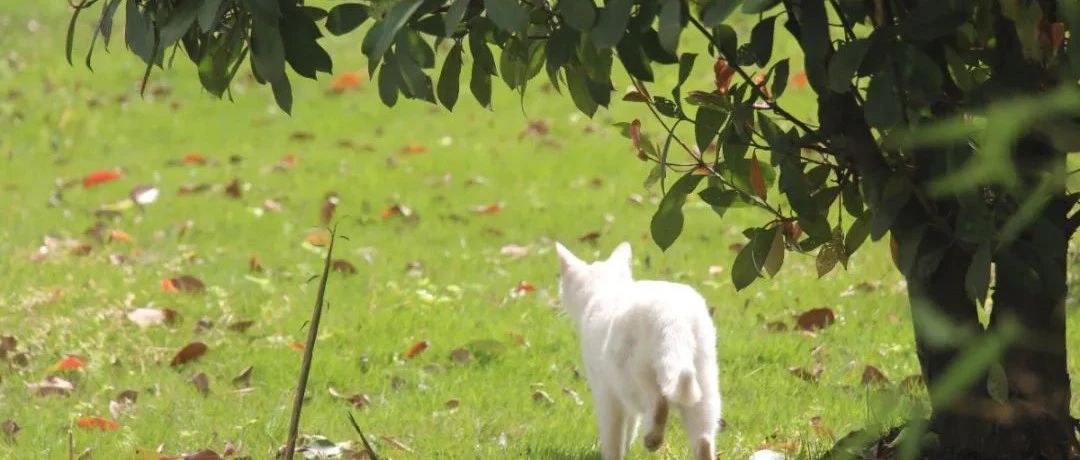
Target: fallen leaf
(534,128)
(189,189)
(69,363)
(357,400)
(488,209)
(123,404)
(343,266)
(413,148)
(241,326)
(515,251)
(817,318)
(807,375)
(51,386)
(396,210)
(286,162)
(183,283)
(100,177)
(416,349)
(143,195)
(10,429)
(542,396)
(205,454)
(190,352)
(254,265)
(8,343)
(301,136)
(573,396)
(202,383)
(244,379)
(234,189)
(522,288)
(145,317)
(453,404)
(590,237)
(798,80)
(297,345)
(873,376)
(91,422)
(193,158)
(346,81)
(320,237)
(119,236)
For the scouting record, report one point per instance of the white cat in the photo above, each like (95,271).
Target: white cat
(647,345)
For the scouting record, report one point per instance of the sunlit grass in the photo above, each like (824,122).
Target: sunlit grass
(437,276)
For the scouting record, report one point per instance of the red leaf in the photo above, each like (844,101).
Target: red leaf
(103,424)
(183,283)
(722,73)
(193,158)
(346,81)
(416,349)
(100,177)
(635,96)
(818,318)
(254,265)
(894,250)
(759,80)
(326,214)
(798,80)
(413,148)
(68,363)
(190,352)
(635,138)
(489,209)
(757,180)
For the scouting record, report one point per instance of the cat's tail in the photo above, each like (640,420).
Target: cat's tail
(680,386)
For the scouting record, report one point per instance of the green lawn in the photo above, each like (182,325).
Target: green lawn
(436,275)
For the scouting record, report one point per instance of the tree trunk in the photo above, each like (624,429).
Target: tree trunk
(1029,291)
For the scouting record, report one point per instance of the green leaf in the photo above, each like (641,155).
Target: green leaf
(482,57)
(743,272)
(894,196)
(827,257)
(508,15)
(282,92)
(718,198)
(389,81)
(480,83)
(686,65)
(670,25)
(180,19)
(667,222)
(761,244)
(138,32)
(716,11)
(346,17)
(758,6)
(857,234)
(633,56)
(416,84)
(779,78)
(209,12)
(706,125)
(577,84)
(775,258)
(882,105)
(977,279)
(449,78)
(391,24)
(666,106)
(650,43)
(579,14)
(761,40)
(267,10)
(816,44)
(852,199)
(612,23)
(302,51)
(728,40)
(267,50)
(454,15)
(845,63)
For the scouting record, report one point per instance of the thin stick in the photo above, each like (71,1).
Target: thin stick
(367,446)
(309,350)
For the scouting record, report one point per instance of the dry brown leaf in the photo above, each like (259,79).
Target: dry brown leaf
(392,441)
(416,349)
(817,318)
(51,385)
(100,423)
(461,355)
(254,265)
(573,396)
(183,283)
(343,266)
(453,404)
(542,396)
(244,379)
(205,454)
(873,376)
(241,326)
(820,428)
(413,148)
(590,237)
(488,209)
(234,189)
(190,352)
(10,429)
(357,400)
(320,237)
(807,375)
(202,383)
(330,203)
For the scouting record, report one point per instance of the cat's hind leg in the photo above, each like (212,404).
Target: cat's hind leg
(613,425)
(655,423)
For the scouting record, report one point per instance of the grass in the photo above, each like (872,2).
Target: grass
(64,122)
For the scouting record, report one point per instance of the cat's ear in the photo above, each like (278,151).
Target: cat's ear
(621,255)
(567,259)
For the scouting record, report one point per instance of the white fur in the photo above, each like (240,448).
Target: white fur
(647,345)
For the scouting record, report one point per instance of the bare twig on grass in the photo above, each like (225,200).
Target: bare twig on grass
(309,350)
(367,446)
